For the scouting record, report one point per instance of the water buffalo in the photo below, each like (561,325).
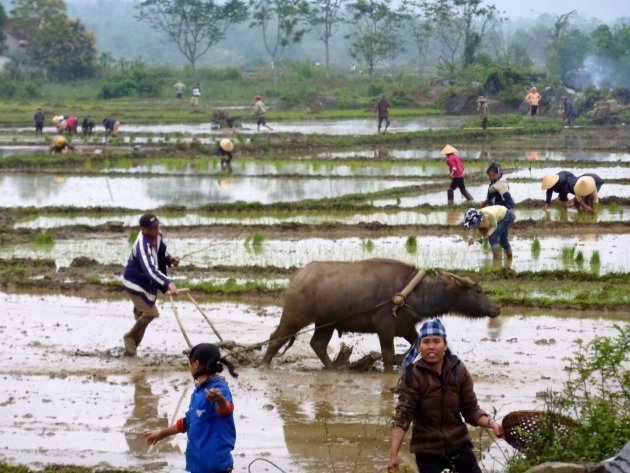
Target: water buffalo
(344,296)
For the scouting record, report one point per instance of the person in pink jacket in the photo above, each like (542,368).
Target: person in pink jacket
(456,170)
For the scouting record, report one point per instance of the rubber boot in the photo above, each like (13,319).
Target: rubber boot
(508,253)
(451,196)
(466,194)
(133,338)
(495,254)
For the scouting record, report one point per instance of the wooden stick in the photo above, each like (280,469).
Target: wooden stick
(181,289)
(179,322)
(204,316)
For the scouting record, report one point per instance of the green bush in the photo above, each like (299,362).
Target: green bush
(19,89)
(597,395)
(136,81)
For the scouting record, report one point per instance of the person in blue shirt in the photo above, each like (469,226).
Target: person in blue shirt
(570,113)
(209,421)
(563,183)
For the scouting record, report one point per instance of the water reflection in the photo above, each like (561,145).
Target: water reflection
(144,417)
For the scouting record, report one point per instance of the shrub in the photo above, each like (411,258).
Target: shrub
(597,395)
(134,82)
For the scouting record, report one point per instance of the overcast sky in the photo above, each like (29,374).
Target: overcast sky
(605,10)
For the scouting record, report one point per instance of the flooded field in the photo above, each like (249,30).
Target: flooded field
(37,190)
(428,251)
(72,397)
(391,217)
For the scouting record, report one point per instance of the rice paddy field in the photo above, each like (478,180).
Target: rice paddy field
(309,191)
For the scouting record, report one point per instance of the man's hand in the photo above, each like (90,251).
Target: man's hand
(175,261)
(172,288)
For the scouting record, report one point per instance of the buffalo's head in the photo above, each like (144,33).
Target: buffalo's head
(466,296)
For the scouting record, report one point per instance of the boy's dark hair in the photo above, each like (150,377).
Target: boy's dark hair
(210,359)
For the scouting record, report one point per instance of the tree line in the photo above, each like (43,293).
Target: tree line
(456,35)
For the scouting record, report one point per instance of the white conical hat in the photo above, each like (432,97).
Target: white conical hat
(549,181)
(585,185)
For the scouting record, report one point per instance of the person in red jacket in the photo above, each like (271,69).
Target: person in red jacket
(456,170)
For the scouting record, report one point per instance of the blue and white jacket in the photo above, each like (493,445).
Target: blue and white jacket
(146,268)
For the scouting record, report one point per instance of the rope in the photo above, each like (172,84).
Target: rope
(264,460)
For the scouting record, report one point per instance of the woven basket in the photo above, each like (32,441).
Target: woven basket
(523,429)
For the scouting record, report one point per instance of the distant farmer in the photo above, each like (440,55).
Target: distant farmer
(179,89)
(196,93)
(87,126)
(144,275)
(60,122)
(224,151)
(586,192)
(533,98)
(456,170)
(111,126)
(382,110)
(39,118)
(71,125)
(493,223)
(260,112)
(498,190)
(570,114)
(60,144)
(562,183)
(482,109)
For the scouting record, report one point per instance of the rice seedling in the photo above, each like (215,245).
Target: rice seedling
(255,242)
(133,235)
(535,247)
(579,258)
(367,245)
(45,238)
(595,259)
(613,207)
(567,253)
(411,244)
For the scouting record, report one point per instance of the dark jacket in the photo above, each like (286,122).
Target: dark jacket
(599,182)
(435,404)
(146,269)
(563,187)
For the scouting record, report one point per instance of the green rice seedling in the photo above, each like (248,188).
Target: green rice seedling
(133,235)
(368,245)
(579,258)
(567,253)
(595,259)
(87,165)
(45,238)
(536,247)
(411,245)
(14,139)
(255,242)
(398,201)
(613,207)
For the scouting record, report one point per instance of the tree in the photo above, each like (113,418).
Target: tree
(279,22)
(415,15)
(59,46)
(461,24)
(3,20)
(194,26)
(324,16)
(376,32)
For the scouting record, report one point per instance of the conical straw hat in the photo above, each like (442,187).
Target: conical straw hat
(549,181)
(585,185)
(226,144)
(448,149)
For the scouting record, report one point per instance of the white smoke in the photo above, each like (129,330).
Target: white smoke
(603,71)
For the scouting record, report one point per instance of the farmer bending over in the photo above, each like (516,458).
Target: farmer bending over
(493,223)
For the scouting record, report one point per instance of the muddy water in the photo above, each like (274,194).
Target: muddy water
(519,191)
(430,251)
(70,397)
(401,217)
(20,190)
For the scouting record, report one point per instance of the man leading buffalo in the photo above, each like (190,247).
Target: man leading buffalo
(144,275)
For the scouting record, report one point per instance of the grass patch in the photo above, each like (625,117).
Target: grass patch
(367,245)
(535,247)
(411,245)
(133,235)
(45,238)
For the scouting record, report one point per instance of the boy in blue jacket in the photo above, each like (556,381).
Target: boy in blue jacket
(209,421)
(144,275)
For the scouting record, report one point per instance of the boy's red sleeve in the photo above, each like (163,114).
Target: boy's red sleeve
(181,425)
(227,412)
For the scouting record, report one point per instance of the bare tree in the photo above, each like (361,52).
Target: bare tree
(324,16)
(415,14)
(193,25)
(279,22)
